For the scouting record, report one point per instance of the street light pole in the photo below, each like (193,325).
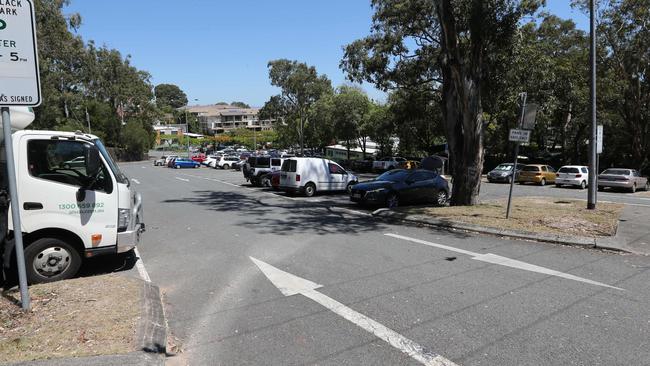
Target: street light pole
(593,155)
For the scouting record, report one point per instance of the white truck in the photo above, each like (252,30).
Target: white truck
(68,211)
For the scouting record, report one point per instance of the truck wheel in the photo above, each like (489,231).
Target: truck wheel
(310,189)
(51,259)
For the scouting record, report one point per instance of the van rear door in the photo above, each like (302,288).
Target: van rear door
(288,175)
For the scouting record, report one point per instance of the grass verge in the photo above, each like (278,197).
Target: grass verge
(74,318)
(533,214)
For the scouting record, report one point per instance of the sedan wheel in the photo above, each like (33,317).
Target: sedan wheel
(178,166)
(441,198)
(226,166)
(392,201)
(542,182)
(583,185)
(633,189)
(647,186)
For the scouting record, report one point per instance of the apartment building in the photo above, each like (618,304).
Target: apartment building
(217,119)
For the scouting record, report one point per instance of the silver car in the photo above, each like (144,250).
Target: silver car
(629,179)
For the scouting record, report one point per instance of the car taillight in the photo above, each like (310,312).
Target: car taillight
(297,177)
(557,174)
(578,175)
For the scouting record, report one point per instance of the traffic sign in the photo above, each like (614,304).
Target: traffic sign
(530,116)
(19,76)
(519,135)
(599,139)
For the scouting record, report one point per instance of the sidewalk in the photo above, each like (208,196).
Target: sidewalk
(633,233)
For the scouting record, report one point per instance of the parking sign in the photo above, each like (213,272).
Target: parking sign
(19,76)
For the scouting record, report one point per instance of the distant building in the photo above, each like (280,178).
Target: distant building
(340,152)
(217,119)
(176,129)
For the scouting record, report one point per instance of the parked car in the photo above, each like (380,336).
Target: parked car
(169,159)
(259,166)
(387,163)
(211,160)
(629,179)
(536,173)
(199,158)
(160,161)
(572,175)
(226,161)
(185,163)
(399,186)
(362,165)
(78,162)
(237,165)
(311,175)
(272,180)
(503,173)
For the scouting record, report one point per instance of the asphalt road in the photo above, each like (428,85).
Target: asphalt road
(391,294)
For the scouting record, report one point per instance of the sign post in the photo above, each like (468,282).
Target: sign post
(19,86)
(518,136)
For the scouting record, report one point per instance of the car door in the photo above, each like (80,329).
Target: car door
(549,174)
(419,186)
(48,191)
(336,177)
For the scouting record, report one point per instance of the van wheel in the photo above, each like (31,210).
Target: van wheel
(310,189)
(51,259)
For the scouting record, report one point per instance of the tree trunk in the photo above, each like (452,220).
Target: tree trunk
(567,121)
(461,105)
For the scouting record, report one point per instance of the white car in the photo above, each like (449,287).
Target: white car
(211,160)
(572,175)
(225,162)
(388,163)
(169,158)
(311,175)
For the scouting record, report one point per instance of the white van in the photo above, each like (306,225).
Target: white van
(311,175)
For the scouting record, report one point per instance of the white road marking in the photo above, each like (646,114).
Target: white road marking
(290,284)
(504,261)
(135,181)
(183,179)
(139,265)
(627,204)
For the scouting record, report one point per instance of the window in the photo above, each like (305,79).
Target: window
(64,162)
(584,170)
(550,169)
(276,162)
(544,168)
(335,169)
(421,176)
(289,166)
(569,170)
(530,168)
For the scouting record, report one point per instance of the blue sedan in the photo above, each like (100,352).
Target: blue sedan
(185,163)
(399,186)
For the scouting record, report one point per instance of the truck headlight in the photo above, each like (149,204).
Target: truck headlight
(123,218)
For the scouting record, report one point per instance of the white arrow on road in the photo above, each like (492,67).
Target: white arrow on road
(135,181)
(505,261)
(290,285)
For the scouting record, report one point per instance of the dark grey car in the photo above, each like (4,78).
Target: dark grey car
(502,173)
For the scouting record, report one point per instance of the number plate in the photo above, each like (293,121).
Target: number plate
(356,195)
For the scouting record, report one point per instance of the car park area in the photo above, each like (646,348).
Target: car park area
(221,304)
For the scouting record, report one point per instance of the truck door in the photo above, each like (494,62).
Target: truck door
(49,177)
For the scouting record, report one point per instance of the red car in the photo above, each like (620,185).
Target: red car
(199,158)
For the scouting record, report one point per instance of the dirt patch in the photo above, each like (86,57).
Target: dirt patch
(644,194)
(533,214)
(79,317)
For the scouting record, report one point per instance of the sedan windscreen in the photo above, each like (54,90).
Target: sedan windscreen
(530,169)
(394,175)
(569,170)
(617,172)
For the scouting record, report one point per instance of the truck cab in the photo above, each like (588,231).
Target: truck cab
(70,211)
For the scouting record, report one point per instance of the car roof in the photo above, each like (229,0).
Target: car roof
(573,166)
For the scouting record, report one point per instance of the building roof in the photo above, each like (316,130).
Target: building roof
(220,110)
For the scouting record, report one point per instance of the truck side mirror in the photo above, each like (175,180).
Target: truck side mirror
(93,162)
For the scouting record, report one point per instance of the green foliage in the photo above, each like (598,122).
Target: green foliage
(169,95)
(77,78)
(240,104)
(136,139)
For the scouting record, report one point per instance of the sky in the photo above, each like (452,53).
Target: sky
(218,50)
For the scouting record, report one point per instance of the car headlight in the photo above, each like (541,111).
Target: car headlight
(123,218)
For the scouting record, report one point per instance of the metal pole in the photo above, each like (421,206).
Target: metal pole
(514,167)
(593,176)
(88,120)
(15,209)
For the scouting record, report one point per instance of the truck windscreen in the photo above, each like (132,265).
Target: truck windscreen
(119,176)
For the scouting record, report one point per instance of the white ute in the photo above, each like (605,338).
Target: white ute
(69,212)
(311,175)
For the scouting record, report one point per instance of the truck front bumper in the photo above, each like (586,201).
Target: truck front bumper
(128,240)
